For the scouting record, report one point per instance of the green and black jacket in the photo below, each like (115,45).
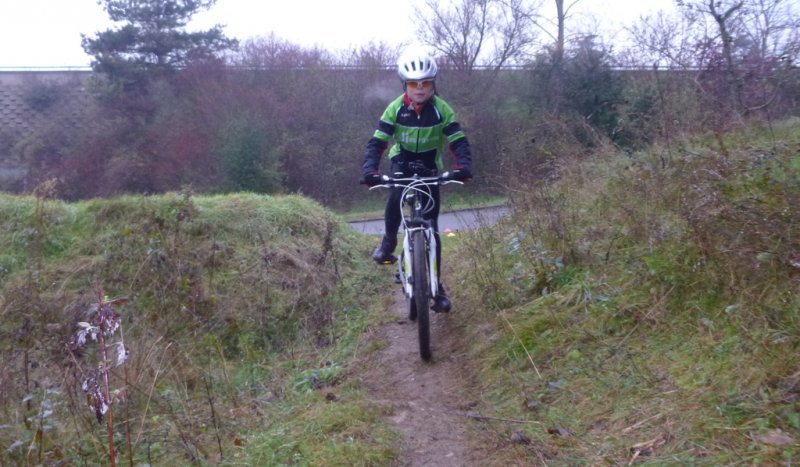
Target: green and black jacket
(418,136)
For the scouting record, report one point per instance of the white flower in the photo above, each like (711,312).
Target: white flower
(122,353)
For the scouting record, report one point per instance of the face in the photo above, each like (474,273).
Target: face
(419,91)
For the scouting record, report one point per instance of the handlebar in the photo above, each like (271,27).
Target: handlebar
(391,182)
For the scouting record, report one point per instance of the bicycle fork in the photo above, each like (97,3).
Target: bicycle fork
(407,281)
(433,266)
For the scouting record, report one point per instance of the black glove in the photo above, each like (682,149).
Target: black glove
(462,175)
(371,179)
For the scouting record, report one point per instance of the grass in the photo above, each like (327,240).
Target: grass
(645,312)
(314,429)
(638,309)
(243,312)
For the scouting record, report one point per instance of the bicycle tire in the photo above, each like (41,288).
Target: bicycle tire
(421,296)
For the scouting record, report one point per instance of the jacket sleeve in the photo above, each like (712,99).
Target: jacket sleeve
(456,140)
(372,156)
(378,143)
(459,146)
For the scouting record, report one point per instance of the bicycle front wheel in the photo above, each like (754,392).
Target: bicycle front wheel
(421,296)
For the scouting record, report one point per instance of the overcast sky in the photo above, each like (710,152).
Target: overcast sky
(47,33)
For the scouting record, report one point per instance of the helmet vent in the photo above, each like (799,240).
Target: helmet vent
(416,65)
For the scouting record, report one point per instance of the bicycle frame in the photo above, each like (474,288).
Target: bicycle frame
(416,201)
(406,263)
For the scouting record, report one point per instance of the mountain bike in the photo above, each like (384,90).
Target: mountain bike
(417,270)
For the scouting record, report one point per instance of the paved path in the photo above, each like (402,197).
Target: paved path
(467,219)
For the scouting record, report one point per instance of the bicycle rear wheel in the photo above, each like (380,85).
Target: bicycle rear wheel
(421,296)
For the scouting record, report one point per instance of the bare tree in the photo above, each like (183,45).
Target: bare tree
(459,32)
(371,55)
(768,43)
(473,32)
(274,52)
(554,29)
(723,18)
(754,38)
(561,20)
(752,35)
(663,40)
(769,28)
(515,32)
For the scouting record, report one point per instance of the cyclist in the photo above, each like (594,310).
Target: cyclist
(421,124)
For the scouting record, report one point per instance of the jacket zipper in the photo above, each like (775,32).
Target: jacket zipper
(419,117)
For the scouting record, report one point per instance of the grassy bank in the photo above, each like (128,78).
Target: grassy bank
(238,315)
(644,308)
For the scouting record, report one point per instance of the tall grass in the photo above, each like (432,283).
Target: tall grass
(645,309)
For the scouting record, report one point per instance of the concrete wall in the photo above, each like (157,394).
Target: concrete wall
(18,87)
(29,99)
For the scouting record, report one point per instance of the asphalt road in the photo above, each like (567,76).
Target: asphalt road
(467,219)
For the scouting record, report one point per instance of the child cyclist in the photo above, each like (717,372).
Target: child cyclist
(421,124)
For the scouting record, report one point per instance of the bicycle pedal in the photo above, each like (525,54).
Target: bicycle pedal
(397,279)
(387,262)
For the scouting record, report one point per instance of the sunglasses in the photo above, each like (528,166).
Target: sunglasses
(424,84)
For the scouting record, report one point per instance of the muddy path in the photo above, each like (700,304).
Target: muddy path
(425,401)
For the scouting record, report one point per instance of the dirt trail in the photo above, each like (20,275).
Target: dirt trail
(423,398)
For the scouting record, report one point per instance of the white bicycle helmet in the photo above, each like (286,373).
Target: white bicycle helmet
(415,65)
